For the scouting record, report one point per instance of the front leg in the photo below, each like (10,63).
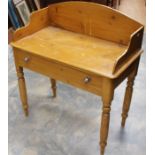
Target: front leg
(108,92)
(22,89)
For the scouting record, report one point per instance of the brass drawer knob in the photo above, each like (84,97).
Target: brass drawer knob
(87,79)
(26,59)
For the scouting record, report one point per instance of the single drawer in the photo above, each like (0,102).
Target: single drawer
(59,71)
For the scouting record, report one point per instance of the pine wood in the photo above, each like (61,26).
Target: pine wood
(92,51)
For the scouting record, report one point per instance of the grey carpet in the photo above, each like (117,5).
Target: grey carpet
(69,124)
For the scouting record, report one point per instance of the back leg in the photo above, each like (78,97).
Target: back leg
(53,86)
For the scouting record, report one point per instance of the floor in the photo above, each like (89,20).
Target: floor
(69,124)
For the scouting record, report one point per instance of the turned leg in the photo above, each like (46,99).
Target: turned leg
(22,89)
(53,86)
(127,98)
(105,118)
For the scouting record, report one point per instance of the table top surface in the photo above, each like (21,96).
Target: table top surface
(84,52)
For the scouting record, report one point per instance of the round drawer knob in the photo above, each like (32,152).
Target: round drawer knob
(26,59)
(87,79)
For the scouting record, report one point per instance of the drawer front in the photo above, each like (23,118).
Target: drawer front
(58,71)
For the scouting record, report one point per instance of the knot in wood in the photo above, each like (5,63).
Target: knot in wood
(113,17)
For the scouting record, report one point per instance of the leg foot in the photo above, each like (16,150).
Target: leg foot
(102,148)
(22,89)
(53,86)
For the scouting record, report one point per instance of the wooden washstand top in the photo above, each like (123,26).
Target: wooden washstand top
(86,36)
